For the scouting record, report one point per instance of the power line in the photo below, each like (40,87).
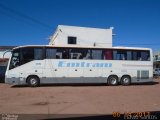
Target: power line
(14,17)
(24,16)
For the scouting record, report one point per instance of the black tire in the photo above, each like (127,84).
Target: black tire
(33,81)
(113,80)
(125,80)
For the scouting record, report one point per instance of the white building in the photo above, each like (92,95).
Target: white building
(156,58)
(81,36)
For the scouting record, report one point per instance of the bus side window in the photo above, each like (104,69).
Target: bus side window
(108,55)
(145,55)
(38,53)
(139,58)
(134,55)
(119,55)
(62,53)
(50,53)
(15,61)
(97,54)
(27,55)
(58,55)
(86,54)
(79,53)
(65,54)
(141,55)
(75,53)
(129,55)
(123,55)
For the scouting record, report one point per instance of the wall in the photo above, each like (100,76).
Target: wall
(85,36)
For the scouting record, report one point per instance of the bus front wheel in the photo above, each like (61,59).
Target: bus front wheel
(126,80)
(113,80)
(33,81)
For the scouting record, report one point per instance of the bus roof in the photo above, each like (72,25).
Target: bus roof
(72,46)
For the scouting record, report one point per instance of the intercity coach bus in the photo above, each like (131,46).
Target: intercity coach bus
(35,65)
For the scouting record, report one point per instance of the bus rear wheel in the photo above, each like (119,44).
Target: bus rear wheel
(33,81)
(125,80)
(113,80)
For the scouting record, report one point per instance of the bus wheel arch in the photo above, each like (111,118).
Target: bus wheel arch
(125,80)
(112,80)
(33,80)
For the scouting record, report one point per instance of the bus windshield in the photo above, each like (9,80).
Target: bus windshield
(15,60)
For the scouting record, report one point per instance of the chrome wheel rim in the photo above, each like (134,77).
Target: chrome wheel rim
(125,80)
(113,81)
(33,81)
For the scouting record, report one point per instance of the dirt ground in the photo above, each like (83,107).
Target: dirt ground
(79,99)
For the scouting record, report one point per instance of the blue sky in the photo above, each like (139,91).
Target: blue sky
(135,22)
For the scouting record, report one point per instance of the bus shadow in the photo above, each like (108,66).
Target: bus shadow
(63,85)
(83,85)
(19,86)
(146,83)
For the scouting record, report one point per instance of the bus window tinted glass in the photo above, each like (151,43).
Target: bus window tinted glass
(38,54)
(86,54)
(108,54)
(141,55)
(75,54)
(97,54)
(50,53)
(119,55)
(134,55)
(79,53)
(62,53)
(145,55)
(27,55)
(15,60)
(129,55)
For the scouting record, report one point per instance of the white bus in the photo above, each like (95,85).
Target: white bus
(35,65)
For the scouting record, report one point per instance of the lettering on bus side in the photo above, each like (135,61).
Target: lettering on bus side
(83,64)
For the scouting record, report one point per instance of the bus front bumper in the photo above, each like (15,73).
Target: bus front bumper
(15,81)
